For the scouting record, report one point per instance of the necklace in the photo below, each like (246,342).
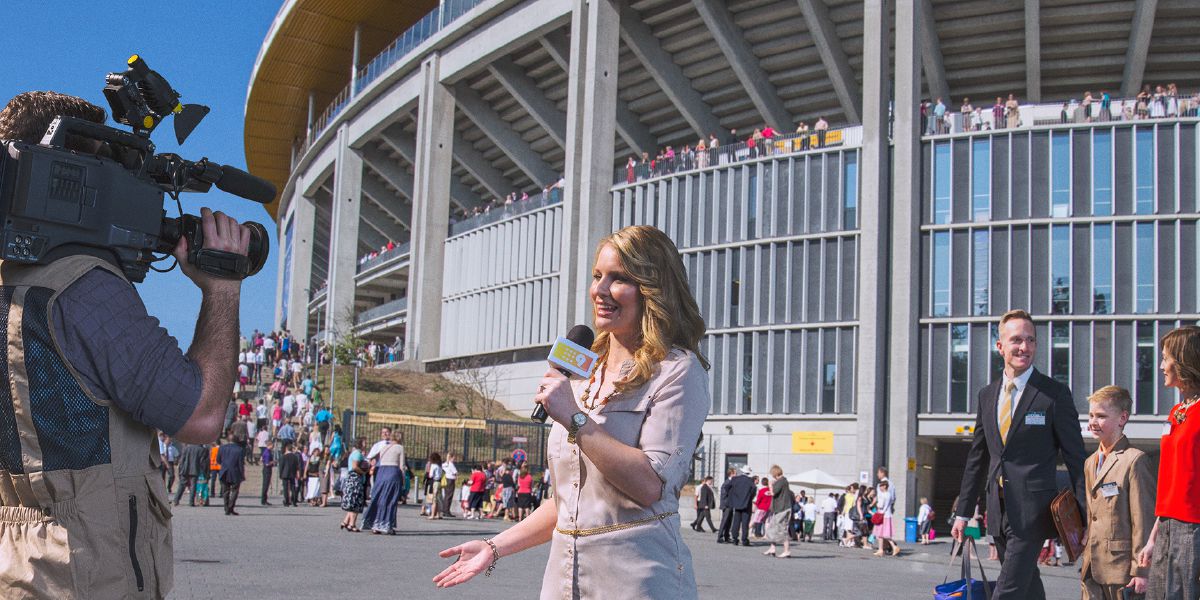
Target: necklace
(1179,413)
(587,392)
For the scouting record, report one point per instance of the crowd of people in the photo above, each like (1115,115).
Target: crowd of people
(1161,102)
(764,141)
(553,191)
(766,508)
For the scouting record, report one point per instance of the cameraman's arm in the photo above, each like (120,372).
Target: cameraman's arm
(214,346)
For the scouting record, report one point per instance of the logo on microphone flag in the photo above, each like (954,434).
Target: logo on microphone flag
(572,357)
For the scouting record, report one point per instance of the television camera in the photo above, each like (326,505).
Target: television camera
(87,188)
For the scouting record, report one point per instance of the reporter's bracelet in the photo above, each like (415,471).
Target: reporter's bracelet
(495,557)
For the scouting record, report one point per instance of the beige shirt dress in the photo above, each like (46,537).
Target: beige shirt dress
(663,418)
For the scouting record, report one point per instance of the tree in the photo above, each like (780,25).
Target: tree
(469,388)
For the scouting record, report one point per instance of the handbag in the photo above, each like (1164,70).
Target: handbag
(964,588)
(877,519)
(1069,523)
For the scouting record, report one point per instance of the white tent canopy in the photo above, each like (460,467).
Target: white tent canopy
(816,479)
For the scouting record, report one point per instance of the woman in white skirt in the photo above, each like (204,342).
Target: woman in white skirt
(780,517)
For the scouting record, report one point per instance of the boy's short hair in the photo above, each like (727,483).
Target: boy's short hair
(1115,396)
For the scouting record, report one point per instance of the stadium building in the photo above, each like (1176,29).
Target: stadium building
(851,278)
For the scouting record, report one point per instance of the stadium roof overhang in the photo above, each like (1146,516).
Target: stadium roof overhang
(308,50)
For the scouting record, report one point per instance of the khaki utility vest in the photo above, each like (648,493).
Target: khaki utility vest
(83,509)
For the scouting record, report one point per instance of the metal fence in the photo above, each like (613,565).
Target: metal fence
(496,441)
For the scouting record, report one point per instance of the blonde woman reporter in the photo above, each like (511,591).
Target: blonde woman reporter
(621,444)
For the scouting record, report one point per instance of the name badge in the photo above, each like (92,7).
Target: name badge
(1166,429)
(1109,489)
(1035,418)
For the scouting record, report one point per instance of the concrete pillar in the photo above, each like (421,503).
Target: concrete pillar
(430,215)
(903,363)
(343,237)
(591,127)
(354,57)
(873,214)
(303,213)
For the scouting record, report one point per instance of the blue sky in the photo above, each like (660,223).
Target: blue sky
(207,51)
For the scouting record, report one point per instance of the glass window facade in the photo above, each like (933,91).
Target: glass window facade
(1146,368)
(1060,174)
(1096,225)
(981,179)
(1060,269)
(942,176)
(980,272)
(1060,352)
(941,274)
(959,351)
(1144,257)
(1102,166)
(850,191)
(1102,264)
(1143,193)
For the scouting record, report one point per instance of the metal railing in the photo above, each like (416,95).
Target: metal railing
(397,253)
(396,306)
(433,22)
(496,441)
(504,211)
(779,145)
(1060,113)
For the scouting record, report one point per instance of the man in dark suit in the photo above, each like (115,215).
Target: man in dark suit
(726,509)
(232,458)
(289,471)
(741,499)
(1025,420)
(704,505)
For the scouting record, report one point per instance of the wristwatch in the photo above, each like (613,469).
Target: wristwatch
(578,420)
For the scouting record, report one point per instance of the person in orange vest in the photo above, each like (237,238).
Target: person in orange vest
(214,470)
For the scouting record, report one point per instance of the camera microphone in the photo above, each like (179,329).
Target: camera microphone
(240,183)
(571,355)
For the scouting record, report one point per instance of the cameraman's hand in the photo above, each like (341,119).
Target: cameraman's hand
(221,232)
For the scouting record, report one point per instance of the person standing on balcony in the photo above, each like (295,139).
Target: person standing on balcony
(939,116)
(822,127)
(998,113)
(802,131)
(1012,112)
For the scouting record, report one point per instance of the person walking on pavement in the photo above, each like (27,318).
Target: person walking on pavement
(1025,421)
(726,508)
(268,463)
(232,458)
(289,470)
(705,501)
(193,464)
(742,492)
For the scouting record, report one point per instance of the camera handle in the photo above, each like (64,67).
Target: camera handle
(61,127)
(219,263)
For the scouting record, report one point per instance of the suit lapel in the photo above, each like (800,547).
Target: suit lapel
(1111,461)
(989,407)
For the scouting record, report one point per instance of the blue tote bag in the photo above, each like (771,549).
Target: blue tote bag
(965,588)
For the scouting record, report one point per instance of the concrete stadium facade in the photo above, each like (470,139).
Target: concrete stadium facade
(849,287)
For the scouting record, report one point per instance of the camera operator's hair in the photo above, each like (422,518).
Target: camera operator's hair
(27,116)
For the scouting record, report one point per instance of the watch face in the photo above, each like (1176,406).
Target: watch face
(579,419)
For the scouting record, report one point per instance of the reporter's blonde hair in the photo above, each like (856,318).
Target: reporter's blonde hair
(670,316)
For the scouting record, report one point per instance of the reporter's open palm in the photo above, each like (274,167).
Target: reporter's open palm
(473,559)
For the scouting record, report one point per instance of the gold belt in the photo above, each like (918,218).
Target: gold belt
(614,527)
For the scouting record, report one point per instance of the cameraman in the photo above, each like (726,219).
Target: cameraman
(83,511)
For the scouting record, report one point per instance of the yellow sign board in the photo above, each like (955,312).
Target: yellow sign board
(912,464)
(812,442)
(449,422)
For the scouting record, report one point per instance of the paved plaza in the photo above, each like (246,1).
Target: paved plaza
(297,553)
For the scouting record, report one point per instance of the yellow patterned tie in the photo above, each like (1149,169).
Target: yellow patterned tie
(1006,411)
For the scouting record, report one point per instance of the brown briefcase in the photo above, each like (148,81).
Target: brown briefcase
(1069,523)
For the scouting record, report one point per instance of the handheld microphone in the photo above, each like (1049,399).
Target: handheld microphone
(571,355)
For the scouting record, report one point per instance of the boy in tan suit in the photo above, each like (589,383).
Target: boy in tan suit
(1120,487)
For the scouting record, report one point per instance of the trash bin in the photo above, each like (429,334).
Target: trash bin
(910,530)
